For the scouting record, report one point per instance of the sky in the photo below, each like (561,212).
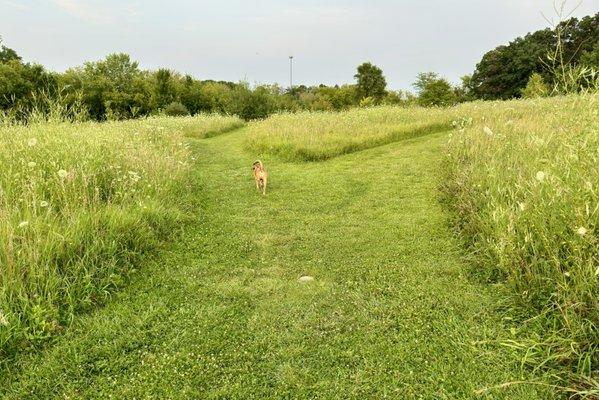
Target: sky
(252,40)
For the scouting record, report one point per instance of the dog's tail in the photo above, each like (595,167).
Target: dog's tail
(259,163)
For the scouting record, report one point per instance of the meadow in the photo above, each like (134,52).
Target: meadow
(317,136)
(465,234)
(521,179)
(80,203)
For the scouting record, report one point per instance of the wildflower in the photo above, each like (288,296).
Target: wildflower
(589,185)
(540,176)
(581,231)
(3,320)
(62,173)
(43,204)
(488,131)
(31,164)
(567,274)
(521,206)
(23,224)
(32,142)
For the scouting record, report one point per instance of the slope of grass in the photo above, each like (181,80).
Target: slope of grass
(79,203)
(523,178)
(314,136)
(211,125)
(389,313)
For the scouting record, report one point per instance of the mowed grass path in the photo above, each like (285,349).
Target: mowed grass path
(221,314)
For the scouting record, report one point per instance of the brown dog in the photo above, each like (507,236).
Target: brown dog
(260,175)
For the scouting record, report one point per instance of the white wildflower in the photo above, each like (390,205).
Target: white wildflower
(3,320)
(488,131)
(522,206)
(134,176)
(31,164)
(23,224)
(540,176)
(567,274)
(62,173)
(32,142)
(581,231)
(589,185)
(43,204)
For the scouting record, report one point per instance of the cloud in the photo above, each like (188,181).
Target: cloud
(18,6)
(91,11)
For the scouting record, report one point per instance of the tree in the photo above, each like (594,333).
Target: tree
(112,88)
(465,92)
(371,82)
(164,92)
(7,54)
(434,90)
(590,58)
(504,71)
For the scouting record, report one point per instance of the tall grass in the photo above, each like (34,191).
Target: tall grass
(523,178)
(79,204)
(212,125)
(313,136)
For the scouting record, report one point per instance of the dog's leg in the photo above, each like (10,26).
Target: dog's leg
(264,187)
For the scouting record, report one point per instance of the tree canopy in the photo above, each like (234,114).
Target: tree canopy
(370,81)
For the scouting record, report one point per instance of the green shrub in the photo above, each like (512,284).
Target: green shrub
(536,87)
(176,109)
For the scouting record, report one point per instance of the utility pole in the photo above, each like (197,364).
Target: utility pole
(291,72)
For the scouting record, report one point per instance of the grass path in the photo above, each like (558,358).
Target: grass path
(221,314)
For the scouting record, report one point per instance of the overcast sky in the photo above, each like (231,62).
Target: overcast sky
(237,39)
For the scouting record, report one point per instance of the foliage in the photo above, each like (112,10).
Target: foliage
(7,54)
(163,92)
(370,81)
(504,72)
(536,87)
(590,58)
(254,104)
(176,109)
(434,90)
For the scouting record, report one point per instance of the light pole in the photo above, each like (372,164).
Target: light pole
(291,72)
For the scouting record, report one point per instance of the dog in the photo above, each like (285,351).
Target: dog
(260,176)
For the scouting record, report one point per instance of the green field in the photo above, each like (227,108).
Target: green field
(445,265)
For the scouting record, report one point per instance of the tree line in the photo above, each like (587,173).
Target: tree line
(117,88)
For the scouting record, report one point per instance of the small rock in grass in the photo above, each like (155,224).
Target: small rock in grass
(306,278)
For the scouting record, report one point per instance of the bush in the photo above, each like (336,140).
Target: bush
(176,109)
(536,87)
(434,90)
(367,102)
